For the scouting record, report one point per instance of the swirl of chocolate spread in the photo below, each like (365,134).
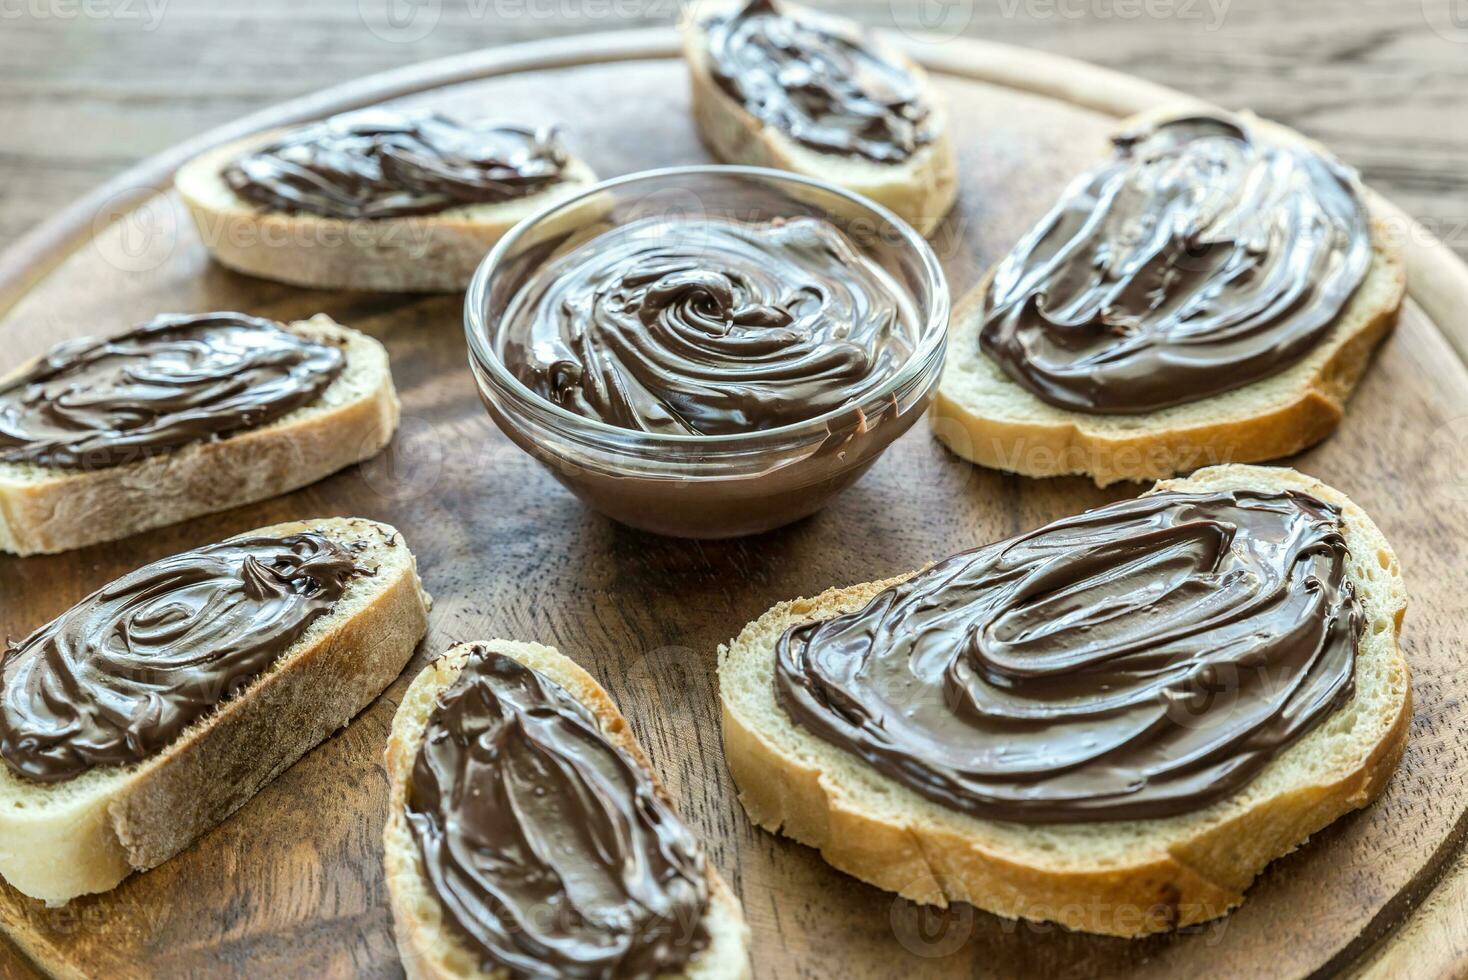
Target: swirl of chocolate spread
(1142,659)
(822,82)
(1198,261)
(709,327)
(564,859)
(173,381)
(382,164)
(118,676)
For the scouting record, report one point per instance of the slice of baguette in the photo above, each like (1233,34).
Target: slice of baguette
(45,509)
(1121,878)
(920,190)
(981,414)
(431,948)
(417,253)
(85,835)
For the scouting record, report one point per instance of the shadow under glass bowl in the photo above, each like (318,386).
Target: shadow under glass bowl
(707,486)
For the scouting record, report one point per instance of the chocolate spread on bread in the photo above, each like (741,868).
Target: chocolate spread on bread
(820,81)
(550,849)
(173,381)
(709,327)
(1199,260)
(1140,660)
(117,677)
(383,164)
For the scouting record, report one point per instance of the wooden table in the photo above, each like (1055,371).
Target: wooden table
(85,96)
(1380,81)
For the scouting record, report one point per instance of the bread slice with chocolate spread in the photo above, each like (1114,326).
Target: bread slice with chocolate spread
(920,189)
(985,416)
(430,944)
(435,252)
(1121,877)
(60,838)
(46,509)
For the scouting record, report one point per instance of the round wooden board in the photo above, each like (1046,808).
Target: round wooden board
(291,885)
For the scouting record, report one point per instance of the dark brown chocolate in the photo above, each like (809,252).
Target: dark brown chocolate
(709,327)
(383,164)
(550,848)
(117,677)
(1201,259)
(824,83)
(1140,660)
(173,381)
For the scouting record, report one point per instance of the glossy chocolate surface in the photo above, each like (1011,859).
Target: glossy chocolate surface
(117,677)
(709,327)
(550,848)
(1139,660)
(383,164)
(823,82)
(173,381)
(1202,258)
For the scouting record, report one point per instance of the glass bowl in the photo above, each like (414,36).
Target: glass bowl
(707,486)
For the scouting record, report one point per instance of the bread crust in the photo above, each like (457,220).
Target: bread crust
(1190,875)
(427,949)
(146,813)
(418,253)
(921,190)
(44,510)
(1039,440)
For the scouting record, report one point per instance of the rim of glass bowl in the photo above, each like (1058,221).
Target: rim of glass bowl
(596,434)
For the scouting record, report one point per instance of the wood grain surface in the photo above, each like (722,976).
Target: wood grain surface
(291,885)
(90,86)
